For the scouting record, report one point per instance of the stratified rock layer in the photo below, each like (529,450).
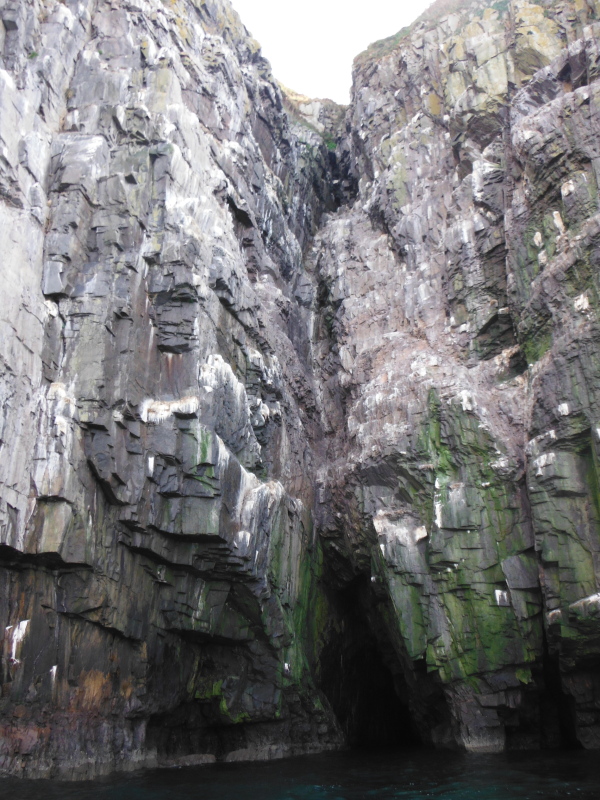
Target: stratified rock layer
(158,553)
(461,316)
(298,445)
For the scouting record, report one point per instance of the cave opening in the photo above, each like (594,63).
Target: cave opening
(365,685)
(557,707)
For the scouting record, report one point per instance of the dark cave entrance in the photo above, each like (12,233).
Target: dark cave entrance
(365,686)
(557,708)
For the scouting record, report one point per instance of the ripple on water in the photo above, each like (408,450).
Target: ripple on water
(350,775)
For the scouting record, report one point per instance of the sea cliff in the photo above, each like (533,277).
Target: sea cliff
(300,403)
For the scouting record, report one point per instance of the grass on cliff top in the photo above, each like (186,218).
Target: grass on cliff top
(296,98)
(438,9)
(293,100)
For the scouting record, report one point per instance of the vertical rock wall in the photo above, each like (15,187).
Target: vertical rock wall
(158,558)
(460,312)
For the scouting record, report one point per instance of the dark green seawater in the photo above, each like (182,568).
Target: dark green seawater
(349,775)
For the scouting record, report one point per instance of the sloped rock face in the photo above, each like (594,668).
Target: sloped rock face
(298,446)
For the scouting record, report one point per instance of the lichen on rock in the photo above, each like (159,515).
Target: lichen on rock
(299,434)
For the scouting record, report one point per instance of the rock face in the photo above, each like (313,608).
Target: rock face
(300,411)
(158,551)
(461,291)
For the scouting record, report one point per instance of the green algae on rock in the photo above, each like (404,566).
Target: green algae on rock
(300,426)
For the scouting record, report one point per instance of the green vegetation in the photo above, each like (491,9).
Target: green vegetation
(208,691)
(536,344)
(501,6)
(383,47)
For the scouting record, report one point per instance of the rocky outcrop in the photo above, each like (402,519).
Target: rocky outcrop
(460,316)
(158,553)
(299,432)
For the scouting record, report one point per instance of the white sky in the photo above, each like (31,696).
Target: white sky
(311,43)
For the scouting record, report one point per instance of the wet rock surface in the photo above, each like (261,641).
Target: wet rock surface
(298,403)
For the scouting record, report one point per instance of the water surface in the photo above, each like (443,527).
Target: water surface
(350,775)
